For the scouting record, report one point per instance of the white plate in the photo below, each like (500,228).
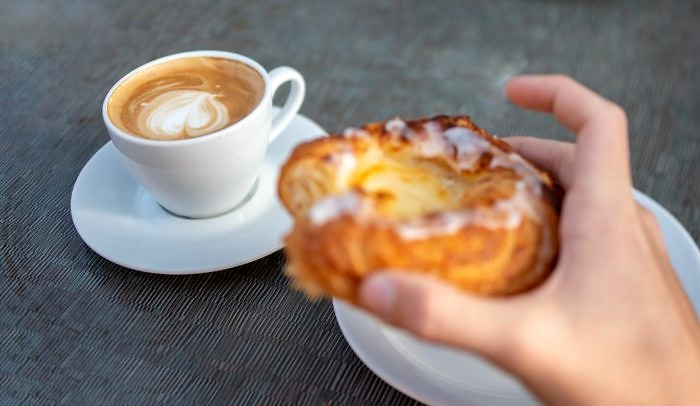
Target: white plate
(120,221)
(440,375)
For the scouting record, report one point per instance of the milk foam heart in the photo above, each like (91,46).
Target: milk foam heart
(183,113)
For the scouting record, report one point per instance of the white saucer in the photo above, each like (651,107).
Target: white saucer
(119,220)
(440,375)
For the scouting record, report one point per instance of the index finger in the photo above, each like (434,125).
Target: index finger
(601,162)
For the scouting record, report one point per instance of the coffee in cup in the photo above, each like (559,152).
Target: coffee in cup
(185,98)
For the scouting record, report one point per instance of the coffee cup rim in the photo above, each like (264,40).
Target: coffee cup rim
(127,136)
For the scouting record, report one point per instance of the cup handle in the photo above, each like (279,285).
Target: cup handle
(279,76)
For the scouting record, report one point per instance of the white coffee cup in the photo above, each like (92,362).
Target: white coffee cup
(208,175)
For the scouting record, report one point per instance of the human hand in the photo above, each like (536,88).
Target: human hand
(612,323)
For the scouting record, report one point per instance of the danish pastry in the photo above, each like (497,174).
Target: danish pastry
(437,195)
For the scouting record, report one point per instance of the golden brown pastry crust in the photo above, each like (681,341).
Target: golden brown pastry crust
(439,196)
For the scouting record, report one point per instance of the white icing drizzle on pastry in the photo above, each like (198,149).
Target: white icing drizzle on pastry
(182,113)
(469,146)
(353,132)
(345,163)
(395,126)
(504,214)
(332,207)
(466,147)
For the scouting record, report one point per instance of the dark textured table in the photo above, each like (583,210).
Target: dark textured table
(77,329)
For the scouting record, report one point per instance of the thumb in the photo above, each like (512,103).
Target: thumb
(436,311)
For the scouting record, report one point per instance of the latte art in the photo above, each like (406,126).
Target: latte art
(185,98)
(182,114)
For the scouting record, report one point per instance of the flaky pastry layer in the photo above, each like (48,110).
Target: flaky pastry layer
(439,196)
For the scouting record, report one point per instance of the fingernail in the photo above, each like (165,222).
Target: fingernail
(378,294)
